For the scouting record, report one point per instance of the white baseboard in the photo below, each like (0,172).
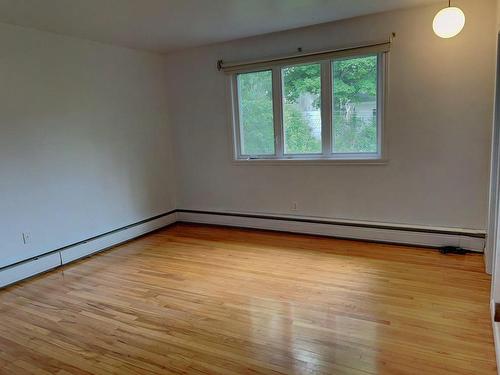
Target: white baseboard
(23,270)
(381,232)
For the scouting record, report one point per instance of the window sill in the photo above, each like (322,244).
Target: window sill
(296,161)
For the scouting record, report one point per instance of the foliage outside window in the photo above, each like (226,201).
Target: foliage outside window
(302,108)
(355,105)
(320,110)
(256,113)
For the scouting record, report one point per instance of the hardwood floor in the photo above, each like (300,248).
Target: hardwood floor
(208,300)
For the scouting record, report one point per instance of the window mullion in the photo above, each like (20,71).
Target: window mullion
(326,108)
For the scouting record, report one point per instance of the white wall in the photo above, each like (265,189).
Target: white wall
(84,142)
(438,126)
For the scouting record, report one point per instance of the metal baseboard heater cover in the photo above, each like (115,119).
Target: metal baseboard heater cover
(376,232)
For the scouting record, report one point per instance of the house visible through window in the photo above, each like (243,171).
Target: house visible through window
(315,110)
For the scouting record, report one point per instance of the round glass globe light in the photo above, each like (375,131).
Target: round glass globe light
(449,22)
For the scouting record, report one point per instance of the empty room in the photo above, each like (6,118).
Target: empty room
(249,187)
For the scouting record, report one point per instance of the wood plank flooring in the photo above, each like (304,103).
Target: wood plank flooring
(196,299)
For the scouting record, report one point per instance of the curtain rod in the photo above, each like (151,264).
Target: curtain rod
(221,65)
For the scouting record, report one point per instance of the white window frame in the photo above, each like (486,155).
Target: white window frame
(327,155)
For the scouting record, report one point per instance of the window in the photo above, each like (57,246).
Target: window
(329,109)
(355,105)
(255,92)
(302,109)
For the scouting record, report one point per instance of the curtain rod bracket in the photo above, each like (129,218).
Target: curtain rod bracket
(219,65)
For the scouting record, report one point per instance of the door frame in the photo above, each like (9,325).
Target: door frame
(494,211)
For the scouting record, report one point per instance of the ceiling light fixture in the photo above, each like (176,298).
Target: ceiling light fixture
(449,22)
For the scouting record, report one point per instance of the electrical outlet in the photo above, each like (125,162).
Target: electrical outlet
(295,206)
(26,238)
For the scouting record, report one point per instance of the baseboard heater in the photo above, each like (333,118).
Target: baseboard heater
(435,237)
(368,231)
(67,254)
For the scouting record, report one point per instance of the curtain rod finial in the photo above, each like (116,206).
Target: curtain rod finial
(219,65)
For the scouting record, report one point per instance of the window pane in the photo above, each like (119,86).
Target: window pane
(355,105)
(255,93)
(302,108)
